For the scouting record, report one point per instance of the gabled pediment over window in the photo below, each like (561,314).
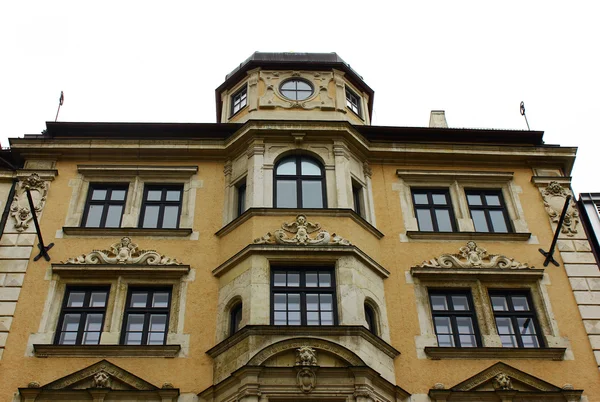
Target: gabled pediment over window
(506,383)
(99,381)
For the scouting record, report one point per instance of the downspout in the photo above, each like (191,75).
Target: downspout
(6,211)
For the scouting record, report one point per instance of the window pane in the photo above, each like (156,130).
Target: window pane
(530,341)
(75,299)
(520,303)
(294,318)
(526,326)
(474,199)
(326,302)
(91,338)
(71,322)
(160,300)
(170,217)
(492,200)
(421,199)
(293,302)
(439,303)
(173,195)
(468,341)
(279,301)
(424,219)
(139,299)
(439,199)
(99,195)
(133,338)
(312,302)
(280,318)
(309,168)
(98,299)
(156,338)
(442,325)
(460,303)
(445,341)
(113,217)
(499,303)
(443,220)
(508,341)
(135,322)
(479,221)
(303,86)
(287,167)
(324,279)
(312,280)
(151,216)
(505,326)
(154,195)
(279,279)
(158,323)
(286,194)
(117,195)
(289,94)
(498,221)
(67,338)
(94,215)
(289,85)
(312,318)
(465,325)
(326,318)
(293,279)
(312,194)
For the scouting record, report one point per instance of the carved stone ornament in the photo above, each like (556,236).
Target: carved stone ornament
(124,252)
(19,208)
(439,385)
(554,202)
(299,233)
(33,384)
(502,382)
(473,256)
(306,356)
(307,379)
(101,380)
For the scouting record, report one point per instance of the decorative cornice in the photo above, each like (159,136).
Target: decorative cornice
(437,353)
(138,170)
(115,270)
(129,232)
(106,350)
(432,175)
(123,252)
(419,235)
(473,256)
(299,233)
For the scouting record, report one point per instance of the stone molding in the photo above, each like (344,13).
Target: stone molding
(473,256)
(116,270)
(105,232)
(123,252)
(461,175)
(419,235)
(555,196)
(299,233)
(437,353)
(106,350)
(137,170)
(19,208)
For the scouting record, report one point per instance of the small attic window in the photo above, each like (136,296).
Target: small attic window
(353,102)
(296,89)
(239,100)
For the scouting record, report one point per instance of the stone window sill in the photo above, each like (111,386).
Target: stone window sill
(79,231)
(418,235)
(106,350)
(437,353)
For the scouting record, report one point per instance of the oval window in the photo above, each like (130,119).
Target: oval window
(296,89)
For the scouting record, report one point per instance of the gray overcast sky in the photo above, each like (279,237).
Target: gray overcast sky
(161,61)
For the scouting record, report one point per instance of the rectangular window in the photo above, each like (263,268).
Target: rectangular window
(161,206)
(82,316)
(357,198)
(239,100)
(146,318)
(353,102)
(433,210)
(104,206)
(454,318)
(303,296)
(515,319)
(488,211)
(241,198)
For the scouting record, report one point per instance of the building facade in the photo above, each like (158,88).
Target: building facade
(294,251)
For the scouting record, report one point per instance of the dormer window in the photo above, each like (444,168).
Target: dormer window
(296,89)
(239,100)
(353,102)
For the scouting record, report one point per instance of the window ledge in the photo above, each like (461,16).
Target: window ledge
(79,231)
(418,235)
(114,270)
(437,353)
(106,350)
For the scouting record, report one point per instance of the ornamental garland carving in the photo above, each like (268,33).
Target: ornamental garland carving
(555,196)
(473,256)
(19,208)
(123,252)
(301,232)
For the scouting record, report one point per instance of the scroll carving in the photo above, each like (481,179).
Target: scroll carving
(123,252)
(473,256)
(554,202)
(19,208)
(301,232)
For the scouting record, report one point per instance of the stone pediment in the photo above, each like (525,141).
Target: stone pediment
(473,256)
(502,379)
(124,252)
(301,232)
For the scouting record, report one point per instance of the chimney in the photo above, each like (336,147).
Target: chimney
(438,119)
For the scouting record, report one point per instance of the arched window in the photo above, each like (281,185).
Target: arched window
(371,319)
(235,318)
(299,183)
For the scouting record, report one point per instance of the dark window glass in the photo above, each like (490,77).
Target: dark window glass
(303,297)
(104,206)
(433,210)
(488,211)
(454,318)
(296,89)
(371,319)
(357,198)
(299,183)
(82,316)
(161,207)
(146,318)
(353,102)
(236,318)
(515,319)
(241,198)
(239,100)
